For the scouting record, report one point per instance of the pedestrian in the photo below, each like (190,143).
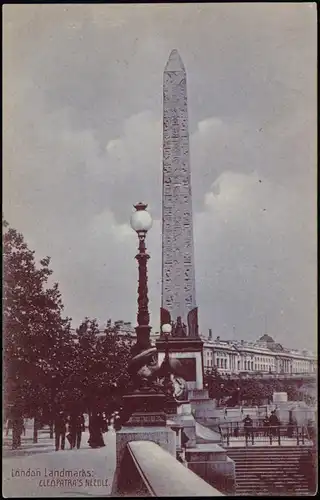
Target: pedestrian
(76,427)
(117,421)
(290,429)
(105,426)
(9,426)
(274,423)
(60,428)
(266,424)
(17,428)
(248,428)
(95,429)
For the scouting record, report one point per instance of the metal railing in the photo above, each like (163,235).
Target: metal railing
(261,433)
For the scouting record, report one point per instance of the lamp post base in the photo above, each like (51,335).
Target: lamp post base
(143,339)
(143,403)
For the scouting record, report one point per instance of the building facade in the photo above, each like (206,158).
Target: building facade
(121,328)
(264,356)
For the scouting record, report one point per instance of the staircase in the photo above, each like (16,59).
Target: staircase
(268,469)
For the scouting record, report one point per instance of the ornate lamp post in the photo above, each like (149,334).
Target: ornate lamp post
(141,222)
(144,396)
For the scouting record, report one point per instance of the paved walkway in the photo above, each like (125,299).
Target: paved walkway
(37,470)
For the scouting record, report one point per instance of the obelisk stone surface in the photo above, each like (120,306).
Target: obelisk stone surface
(178,297)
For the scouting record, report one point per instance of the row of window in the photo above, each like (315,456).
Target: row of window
(251,366)
(261,363)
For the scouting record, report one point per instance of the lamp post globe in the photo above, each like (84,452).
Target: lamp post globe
(141,220)
(166,328)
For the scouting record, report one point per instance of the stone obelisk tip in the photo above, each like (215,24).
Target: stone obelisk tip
(174,62)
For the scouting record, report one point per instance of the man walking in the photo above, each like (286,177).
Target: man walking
(60,430)
(76,427)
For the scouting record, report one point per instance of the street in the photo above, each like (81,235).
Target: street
(37,470)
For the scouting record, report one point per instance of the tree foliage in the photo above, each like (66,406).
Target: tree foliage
(254,389)
(46,367)
(34,329)
(98,366)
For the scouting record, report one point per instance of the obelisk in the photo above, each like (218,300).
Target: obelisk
(178,295)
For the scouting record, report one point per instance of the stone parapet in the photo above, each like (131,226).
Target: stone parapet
(163,436)
(165,476)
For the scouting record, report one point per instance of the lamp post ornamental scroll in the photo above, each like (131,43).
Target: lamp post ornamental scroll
(141,222)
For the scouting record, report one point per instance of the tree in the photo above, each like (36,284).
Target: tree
(98,368)
(35,332)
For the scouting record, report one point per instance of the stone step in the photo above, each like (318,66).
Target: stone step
(271,463)
(254,478)
(266,451)
(265,470)
(260,455)
(258,463)
(261,484)
(276,487)
(255,491)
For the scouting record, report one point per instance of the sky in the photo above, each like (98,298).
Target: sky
(82,114)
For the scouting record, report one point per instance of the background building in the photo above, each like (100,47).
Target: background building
(264,356)
(121,328)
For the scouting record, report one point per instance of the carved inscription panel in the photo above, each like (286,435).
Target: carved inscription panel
(178,277)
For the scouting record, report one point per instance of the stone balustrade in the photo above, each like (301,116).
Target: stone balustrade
(149,470)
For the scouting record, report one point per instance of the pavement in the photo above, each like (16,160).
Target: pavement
(37,470)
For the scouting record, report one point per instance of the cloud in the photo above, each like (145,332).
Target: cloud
(83,139)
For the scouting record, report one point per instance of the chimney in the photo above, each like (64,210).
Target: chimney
(210,334)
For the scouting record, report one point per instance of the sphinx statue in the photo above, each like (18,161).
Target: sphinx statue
(148,376)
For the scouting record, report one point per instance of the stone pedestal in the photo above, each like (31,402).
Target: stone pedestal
(188,426)
(211,463)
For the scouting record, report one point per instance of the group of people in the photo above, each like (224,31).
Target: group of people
(270,425)
(75,423)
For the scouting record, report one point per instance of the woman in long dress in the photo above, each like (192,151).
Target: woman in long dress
(95,429)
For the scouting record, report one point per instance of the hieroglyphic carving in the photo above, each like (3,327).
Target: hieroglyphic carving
(178,277)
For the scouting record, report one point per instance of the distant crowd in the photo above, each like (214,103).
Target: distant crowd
(269,426)
(69,427)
